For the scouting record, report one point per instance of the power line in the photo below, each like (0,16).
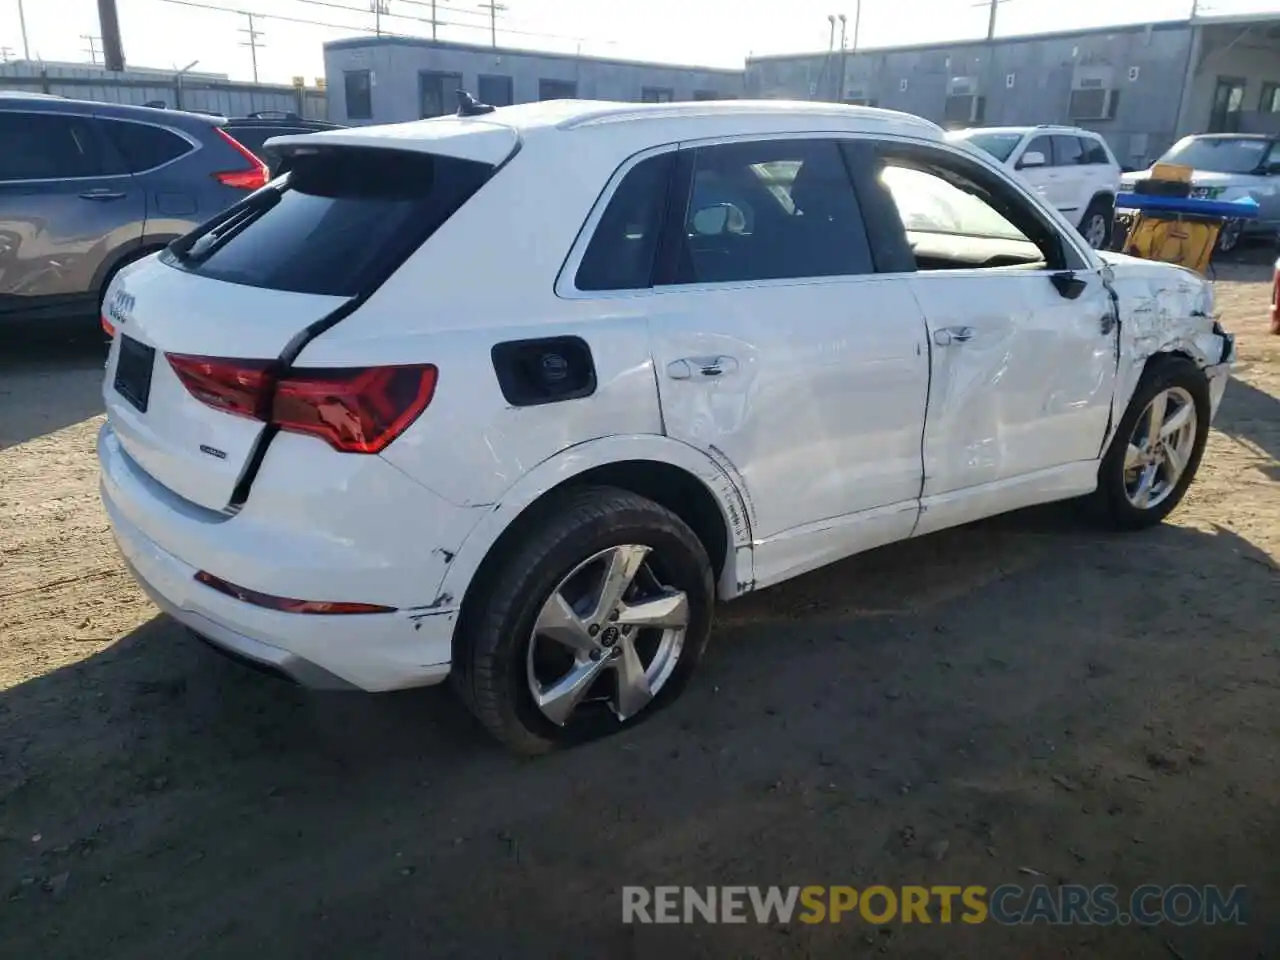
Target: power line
(93,46)
(493,7)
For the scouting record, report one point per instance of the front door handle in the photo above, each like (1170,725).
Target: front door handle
(1108,323)
(687,368)
(949,335)
(102,195)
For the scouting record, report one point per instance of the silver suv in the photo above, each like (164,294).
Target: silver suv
(1230,166)
(86,188)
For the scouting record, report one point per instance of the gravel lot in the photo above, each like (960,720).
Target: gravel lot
(1035,693)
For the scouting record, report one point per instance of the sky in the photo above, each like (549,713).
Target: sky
(165,34)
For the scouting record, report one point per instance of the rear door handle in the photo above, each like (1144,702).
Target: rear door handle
(687,368)
(949,335)
(102,195)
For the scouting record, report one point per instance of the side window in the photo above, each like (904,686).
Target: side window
(48,146)
(1094,152)
(359,91)
(959,216)
(1042,146)
(142,146)
(770,210)
(1067,152)
(620,254)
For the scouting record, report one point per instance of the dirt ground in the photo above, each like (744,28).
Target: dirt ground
(1039,695)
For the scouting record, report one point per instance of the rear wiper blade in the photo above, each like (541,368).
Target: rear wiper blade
(194,249)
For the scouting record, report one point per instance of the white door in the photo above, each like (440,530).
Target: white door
(1035,165)
(781,354)
(1023,340)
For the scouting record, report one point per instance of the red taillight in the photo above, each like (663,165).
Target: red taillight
(236,386)
(286,604)
(254,177)
(354,410)
(108,327)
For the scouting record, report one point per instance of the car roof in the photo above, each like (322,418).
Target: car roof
(124,111)
(482,136)
(1230,136)
(1031,128)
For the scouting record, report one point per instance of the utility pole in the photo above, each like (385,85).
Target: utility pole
(857,22)
(252,43)
(433,19)
(844,24)
(109,30)
(493,7)
(993,7)
(93,47)
(22,23)
(379,7)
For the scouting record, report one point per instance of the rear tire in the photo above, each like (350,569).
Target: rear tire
(1178,393)
(1096,224)
(497,670)
(1230,235)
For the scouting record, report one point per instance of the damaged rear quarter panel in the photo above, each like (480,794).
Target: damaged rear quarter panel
(1163,309)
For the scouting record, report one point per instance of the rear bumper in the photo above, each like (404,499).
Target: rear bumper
(371,652)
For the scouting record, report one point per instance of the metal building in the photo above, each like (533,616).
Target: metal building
(1142,86)
(209,92)
(389,79)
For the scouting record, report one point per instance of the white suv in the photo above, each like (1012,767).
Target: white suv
(1073,169)
(515,397)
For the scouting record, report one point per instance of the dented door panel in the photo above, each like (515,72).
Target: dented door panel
(1028,390)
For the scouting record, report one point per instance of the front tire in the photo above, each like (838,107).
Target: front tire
(1157,447)
(593,621)
(1229,236)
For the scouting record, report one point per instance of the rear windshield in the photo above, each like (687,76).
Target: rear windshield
(337,223)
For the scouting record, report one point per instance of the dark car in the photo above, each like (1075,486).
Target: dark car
(86,188)
(257,128)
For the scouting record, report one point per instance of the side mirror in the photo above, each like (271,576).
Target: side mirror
(1032,158)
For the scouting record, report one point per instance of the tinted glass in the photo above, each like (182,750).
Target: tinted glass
(1043,146)
(1067,151)
(620,255)
(340,218)
(771,210)
(1219,154)
(999,145)
(495,90)
(46,146)
(1094,151)
(359,93)
(143,146)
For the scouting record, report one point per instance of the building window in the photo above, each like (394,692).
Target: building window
(705,95)
(557,89)
(656,95)
(437,93)
(1228,102)
(359,89)
(495,90)
(1270,101)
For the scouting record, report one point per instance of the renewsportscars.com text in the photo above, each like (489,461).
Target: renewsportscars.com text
(1150,904)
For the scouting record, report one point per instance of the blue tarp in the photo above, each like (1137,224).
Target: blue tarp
(1246,208)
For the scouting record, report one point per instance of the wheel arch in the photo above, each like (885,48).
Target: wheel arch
(120,258)
(672,474)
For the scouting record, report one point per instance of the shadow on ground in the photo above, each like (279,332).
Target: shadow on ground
(63,369)
(1027,693)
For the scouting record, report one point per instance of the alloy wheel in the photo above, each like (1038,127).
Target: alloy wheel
(1096,231)
(611,632)
(1160,448)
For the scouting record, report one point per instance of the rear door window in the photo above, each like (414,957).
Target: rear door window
(771,210)
(49,146)
(341,220)
(143,146)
